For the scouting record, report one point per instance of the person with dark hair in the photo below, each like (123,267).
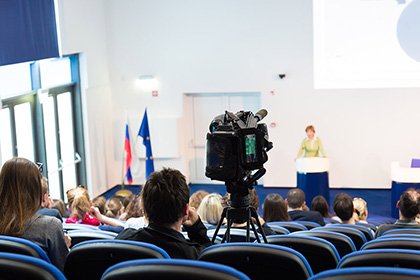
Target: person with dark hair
(165,200)
(275,209)
(46,203)
(320,204)
(20,199)
(409,206)
(295,203)
(343,208)
(100,203)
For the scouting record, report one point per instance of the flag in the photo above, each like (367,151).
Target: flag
(144,133)
(128,156)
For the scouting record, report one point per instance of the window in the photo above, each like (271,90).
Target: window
(45,124)
(14,80)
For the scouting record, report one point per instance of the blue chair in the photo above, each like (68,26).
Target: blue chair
(16,245)
(363,273)
(402,231)
(382,257)
(410,236)
(69,227)
(89,259)
(320,254)
(290,226)
(369,234)
(236,234)
(280,230)
(393,243)
(259,261)
(78,236)
(15,266)
(341,242)
(356,235)
(171,269)
(309,225)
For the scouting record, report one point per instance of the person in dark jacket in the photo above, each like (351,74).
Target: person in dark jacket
(295,204)
(165,199)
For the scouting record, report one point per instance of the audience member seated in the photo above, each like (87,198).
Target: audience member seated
(100,203)
(165,203)
(114,208)
(320,204)
(196,198)
(135,215)
(295,203)
(343,208)
(360,210)
(210,210)
(20,199)
(60,206)
(46,203)
(79,207)
(255,203)
(409,208)
(275,209)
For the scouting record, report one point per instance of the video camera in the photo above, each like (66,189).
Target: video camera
(236,146)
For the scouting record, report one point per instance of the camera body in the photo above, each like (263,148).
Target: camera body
(236,146)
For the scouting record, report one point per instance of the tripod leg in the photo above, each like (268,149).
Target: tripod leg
(219,224)
(255,232)
(229,225)
(248,221)
(257,220)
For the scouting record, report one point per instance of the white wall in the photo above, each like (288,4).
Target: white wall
(233,46)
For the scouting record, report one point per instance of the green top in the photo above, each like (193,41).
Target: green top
(312,148)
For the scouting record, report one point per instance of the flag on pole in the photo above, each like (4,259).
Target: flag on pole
(144,133)
(128,156)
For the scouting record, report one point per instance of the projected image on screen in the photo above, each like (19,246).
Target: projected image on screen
(366,44)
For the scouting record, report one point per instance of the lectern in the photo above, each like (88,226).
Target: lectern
(312,177)
(402,179)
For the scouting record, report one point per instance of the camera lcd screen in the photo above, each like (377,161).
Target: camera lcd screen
(250,148)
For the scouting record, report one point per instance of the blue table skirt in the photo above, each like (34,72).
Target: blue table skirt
(314,184)
(396,191)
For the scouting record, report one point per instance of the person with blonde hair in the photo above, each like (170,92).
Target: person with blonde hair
(114,208)
(360,210)
(196,198)
(210,209)
(20,199)
(79,206)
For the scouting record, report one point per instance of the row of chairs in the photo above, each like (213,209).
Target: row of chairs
(297,256)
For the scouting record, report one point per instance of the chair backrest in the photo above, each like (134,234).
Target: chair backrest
(373,227)
(16,245)
(290,226)
(69,227)
(89,259)
(363,273)
(236,234)
(15,266)
(279,230)
(393,243)
(308,224)
(78,236)
(410,236)
(320,254)
(382,257)
(341,242)
(369,234)
(171,269)
(402,231)
(356,235)
(259,261)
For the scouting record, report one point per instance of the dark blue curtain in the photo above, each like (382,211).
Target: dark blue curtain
(28,31)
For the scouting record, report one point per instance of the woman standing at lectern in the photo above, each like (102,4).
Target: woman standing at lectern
(311,145)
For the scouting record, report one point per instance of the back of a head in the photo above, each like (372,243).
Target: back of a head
(100,202)
(165,197)
(275,209)
(113,208)
(135,208)
(320,204)
(44,184)
(343,206)
(196,198)
(60,206)
(79,202)
(20,195)
(360,209)
(254,200)
(410,203)
(295,198)
(210,210)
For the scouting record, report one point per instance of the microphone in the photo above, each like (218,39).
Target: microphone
(261,114)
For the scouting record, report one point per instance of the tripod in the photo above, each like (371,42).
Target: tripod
(244,213)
